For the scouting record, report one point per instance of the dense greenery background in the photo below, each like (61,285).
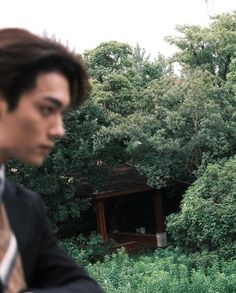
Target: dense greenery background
(170,124)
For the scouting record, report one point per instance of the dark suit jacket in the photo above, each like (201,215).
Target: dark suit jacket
(47,268)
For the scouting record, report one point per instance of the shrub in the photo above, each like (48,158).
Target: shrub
(163,271)
(89,249)
(207,220)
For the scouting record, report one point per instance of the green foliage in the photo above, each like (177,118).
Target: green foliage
(178,126)
(208,212)
(170,127)
(85,250)
(211,48)
(108,57)
(164,271)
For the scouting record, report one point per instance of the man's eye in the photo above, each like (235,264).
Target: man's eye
(46,110)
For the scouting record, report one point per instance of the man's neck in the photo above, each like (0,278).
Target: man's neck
(3,156)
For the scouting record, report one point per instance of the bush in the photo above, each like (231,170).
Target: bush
(206,221)
(163,271)
(89,249)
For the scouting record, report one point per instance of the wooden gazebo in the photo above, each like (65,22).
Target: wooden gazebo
(127,185)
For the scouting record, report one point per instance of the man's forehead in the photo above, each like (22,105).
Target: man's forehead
(54,88)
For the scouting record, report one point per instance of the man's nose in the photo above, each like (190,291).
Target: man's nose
(57,130)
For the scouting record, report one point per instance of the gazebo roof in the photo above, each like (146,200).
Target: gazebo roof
(124,179)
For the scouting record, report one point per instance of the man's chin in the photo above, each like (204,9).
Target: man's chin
(32,161)
(36,164)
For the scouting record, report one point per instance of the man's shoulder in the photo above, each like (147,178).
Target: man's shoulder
(24,207)
(22,193)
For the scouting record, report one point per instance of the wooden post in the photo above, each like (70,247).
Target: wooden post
(160,222)
(101,221)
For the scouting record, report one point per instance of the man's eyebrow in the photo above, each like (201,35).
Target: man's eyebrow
(54,101)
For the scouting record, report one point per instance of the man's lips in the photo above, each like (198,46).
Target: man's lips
(46,148)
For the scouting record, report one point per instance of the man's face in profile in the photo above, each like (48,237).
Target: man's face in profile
(29,131)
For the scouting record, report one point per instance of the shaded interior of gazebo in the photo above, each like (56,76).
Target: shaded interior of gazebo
(129,211)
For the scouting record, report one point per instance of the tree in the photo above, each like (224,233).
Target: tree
(179,125)
(208,212)
(212,48)
(108,57)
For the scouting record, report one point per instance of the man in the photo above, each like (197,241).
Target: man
(39,80)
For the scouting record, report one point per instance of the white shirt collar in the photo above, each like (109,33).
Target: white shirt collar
(2,179)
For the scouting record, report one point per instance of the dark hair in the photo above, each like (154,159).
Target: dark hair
(24,55)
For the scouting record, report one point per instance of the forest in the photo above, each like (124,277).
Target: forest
(174,120)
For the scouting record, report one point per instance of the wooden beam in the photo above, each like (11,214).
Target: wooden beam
(109,194)
(159,215)
(145,240)
(101,220)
